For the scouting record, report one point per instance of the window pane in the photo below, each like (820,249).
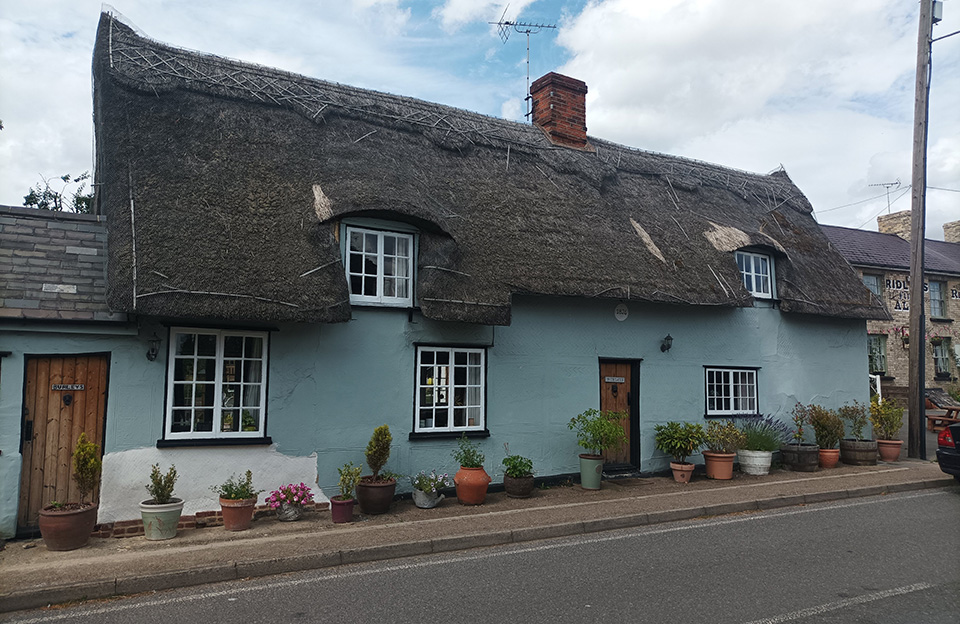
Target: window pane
(473,397)
(389,287)
(389,245)
(356,241)
(441,418)
(203,420)
(252,371)
(233,346)
(250,420)
(459,417)
(426,418)
(473,416)
(370,286)
(403,247)
(182,369)
(356,285)
(231,370)
(460,375)
(230,420)
(370,243)
(181,421)
(183,395)
(203,395)
(206,345)
(231,396)
(186,344)
(251,396)
(388,266)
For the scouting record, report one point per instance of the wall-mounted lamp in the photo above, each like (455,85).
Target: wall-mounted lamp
(154,347)
(667,343)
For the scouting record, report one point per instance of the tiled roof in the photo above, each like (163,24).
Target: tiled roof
(889,251)
(53,266)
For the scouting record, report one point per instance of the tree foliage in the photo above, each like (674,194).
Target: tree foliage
(46,197)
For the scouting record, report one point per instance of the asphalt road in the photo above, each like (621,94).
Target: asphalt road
(871,560)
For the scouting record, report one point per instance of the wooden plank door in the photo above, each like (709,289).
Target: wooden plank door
(616,396)
(63,396)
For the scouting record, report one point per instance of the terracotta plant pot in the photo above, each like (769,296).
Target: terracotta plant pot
(591,471)
(471,484)
(341,511)
(719,465)
(681,472)
(67,529)
(160,521)
(889,450)
(800,457)
(755,462)
(375,497)
(518,487)
(858,452)
(829,458)
(237,514)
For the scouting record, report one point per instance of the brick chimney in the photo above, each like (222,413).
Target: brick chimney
(897,223)
(559,109)
(951,232)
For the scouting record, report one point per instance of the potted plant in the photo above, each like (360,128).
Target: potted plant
(761,437)
(426,488)
(288,501)
(855,450)
(827,430)
(471,480)
(67,526)
(341,505)
(596,432)
(237,500)
(375,491)
(800,456)
(722,440)
(886,417)
(161,512)
(680,440)
(517,475)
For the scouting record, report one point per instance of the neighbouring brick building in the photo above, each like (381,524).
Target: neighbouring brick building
(883,261)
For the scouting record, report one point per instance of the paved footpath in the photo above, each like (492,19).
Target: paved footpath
(31,576)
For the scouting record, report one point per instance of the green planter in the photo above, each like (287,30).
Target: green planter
(160,521)
(591,470)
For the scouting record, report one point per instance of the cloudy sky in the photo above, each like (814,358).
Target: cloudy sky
(824,88)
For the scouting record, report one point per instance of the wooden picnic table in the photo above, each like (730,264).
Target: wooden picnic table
(937,399)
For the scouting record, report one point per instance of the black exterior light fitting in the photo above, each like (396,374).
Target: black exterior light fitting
(666,344)
(154,347)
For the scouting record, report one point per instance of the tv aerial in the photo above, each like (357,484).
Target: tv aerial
(505,27)
(888,185)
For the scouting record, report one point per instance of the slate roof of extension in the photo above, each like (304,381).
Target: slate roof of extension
(888,251)
(237,176)
(53,266)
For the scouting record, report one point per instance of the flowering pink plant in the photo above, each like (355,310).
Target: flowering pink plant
(291,494)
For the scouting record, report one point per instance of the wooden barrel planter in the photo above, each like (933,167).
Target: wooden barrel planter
(800,457)
(858,452)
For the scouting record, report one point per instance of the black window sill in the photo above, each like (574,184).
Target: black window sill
(215,442)
(885,377)
(940,320)
(727,416)
(942,376)
(449,435)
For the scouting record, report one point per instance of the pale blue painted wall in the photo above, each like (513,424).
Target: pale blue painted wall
(330,385)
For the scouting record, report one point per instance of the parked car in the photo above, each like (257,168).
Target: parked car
(948,450)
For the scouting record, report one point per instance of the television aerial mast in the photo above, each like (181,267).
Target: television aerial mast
(888,186)
(525,28)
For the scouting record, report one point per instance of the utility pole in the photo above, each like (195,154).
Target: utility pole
(916,442)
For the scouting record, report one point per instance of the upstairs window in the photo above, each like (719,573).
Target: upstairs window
(941,359)
(874,283)
(380,267)
(731,391)
(757,273)
(877,352)
(938,307)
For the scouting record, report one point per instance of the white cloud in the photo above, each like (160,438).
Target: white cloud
(455,13)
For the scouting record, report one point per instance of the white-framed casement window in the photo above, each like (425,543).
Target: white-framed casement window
(216,384)
(941,358)
(731,391)
(938,308)
(877,352)
(874,283)
(379,267)
(450,389)
(756,270)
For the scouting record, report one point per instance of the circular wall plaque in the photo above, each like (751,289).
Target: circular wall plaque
(621,312)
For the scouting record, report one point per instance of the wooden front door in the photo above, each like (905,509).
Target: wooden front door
(63,396)
(617,394)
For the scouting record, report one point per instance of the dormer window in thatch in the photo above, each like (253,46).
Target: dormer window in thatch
(756,270)
(379,267)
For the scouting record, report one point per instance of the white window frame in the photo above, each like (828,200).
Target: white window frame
(938,305)
(941,357)
(877,353)
(379,298)
(727,384)
(218,383)
(441,381)
(874,282)
(758,282)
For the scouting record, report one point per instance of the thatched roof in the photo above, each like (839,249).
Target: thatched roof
(234,177)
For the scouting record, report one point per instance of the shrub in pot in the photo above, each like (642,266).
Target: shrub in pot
(596,432)
(67,526)
(798,455)
(237,500)
(517,475)
(375,491)
(161,512)
(886,417)
(426,488)
(722,440)
(471,480)
(827,430)
(855,449)
(762,436)
(341,505)
(680,440)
